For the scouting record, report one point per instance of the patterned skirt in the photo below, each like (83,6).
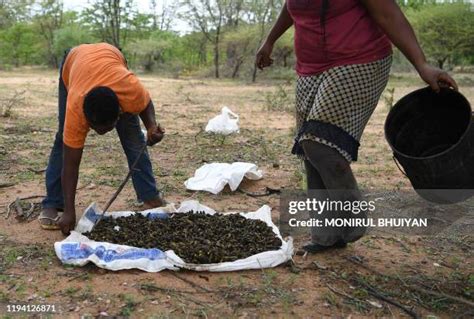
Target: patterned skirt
(334,107)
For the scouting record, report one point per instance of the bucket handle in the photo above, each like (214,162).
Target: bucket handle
(398,165)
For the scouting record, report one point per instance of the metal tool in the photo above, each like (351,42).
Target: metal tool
(117,192)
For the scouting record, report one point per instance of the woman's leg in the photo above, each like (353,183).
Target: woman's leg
(342,104)
(341,185)
(321,237)
(313,179)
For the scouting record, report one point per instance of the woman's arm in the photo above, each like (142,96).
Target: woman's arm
(283,23)
(391,19)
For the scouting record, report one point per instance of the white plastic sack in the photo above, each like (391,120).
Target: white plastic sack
(78,250)
(215,176)
(225,123)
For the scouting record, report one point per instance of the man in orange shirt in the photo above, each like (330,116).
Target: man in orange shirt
(97,91)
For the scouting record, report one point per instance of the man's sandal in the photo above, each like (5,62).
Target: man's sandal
(53,222)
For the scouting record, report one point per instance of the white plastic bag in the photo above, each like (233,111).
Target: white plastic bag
(215,176)
(225,123)
(78,250)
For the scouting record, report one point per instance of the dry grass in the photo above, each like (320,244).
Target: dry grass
(183,108)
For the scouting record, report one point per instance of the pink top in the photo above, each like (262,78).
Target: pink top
(352,36)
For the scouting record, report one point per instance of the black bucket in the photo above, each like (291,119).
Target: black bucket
(432,137)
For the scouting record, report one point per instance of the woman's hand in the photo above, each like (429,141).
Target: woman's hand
(393,22)
(436,77)
(263,58)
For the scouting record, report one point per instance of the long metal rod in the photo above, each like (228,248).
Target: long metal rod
(117,192)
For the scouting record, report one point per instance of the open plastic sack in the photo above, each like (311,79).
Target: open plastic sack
(78,250)
(215,176)
(225,123)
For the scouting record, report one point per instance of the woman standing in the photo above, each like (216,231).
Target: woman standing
(344,55)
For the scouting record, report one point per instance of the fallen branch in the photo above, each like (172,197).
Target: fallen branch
(353,259)
(343,294)
(443,295)
(379,295)
(18,207)
(430,292)
(5,185)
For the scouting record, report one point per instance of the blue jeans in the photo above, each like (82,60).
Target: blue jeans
(132,140)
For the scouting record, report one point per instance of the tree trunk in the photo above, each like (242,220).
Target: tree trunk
(237,68)
(441,62)
(254,73)
(216,58)
(149,63)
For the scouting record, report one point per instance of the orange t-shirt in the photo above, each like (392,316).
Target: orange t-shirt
(88,66)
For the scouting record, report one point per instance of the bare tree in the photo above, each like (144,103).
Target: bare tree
(162,20)
(50,18)
(12,11)
(210,17)
(261,13)
(111,19)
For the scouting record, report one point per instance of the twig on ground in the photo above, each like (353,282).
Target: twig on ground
(19,210)
(442,295)
(419,289)
(201,130)
(192,283)
(176,292)
(9,209)
(343,294)
(153,287)
(5,185)
(18,207)
(268,191)
(30,211)
(352,259)
(379,295)
(37,171)
(83,186)
(372,291)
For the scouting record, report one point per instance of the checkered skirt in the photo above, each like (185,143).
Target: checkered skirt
(334,106)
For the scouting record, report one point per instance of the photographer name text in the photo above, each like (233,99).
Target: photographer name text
(359,222)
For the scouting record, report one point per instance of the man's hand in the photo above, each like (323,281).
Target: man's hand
(154,135)
(67,222)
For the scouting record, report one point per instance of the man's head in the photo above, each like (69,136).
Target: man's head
(101,108)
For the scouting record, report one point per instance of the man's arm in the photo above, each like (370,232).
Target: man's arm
(70,174)
(391,19)
(155,132)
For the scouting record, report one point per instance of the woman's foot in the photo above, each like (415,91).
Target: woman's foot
(317,248)
(49,218)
